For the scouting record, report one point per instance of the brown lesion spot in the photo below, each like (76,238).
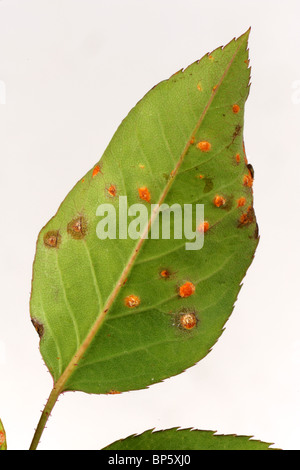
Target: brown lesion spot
(188,321)
(237,132)
(52,239)
(77,228)
(165,274)
(185,320)
(132,301)
(251,170)
(38,326)
(247,217)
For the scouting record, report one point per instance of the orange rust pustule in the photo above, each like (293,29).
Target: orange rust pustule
(2,438)
(132,301)
(203,227)
(219,201)
(248,180)
(77,228)
(187,289)
(52,239)
(235,108)
(247,217)
(241,202)
(238,158)
(114,392)
(144,194)
(96,170)
(188,321)
(165,274)
(112,190)
(204,146)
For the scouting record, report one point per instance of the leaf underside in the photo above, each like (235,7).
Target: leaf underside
(182,143)
(187,439)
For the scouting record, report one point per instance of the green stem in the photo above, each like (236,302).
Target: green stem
(44,417)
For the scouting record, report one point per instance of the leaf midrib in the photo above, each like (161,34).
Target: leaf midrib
(59,385)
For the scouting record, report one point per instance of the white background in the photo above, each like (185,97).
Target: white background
(72,70)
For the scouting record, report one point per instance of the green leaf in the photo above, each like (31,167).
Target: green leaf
(3,443)
(187,439)
(121,314)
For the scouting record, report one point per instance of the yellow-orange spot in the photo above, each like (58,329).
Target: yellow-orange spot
(219,201)
(82,180)
(2,438)
(248,180)
(144,194)
(112,190)
(238,158)
(141,166)
(235,108)
(188,321)
(247,217)
(215,87)
(192,141)
(199,87)
(77,228)
(114,392)
(165,273)
(203,227)
(204,146)
(132,301)
(187,289)
(96,170)
(200,177)
(241,202)
(211,57)
(52,239)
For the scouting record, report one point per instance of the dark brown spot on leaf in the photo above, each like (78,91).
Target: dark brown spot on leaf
(38,326)
(247,217)
(208,185)
(251,169)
